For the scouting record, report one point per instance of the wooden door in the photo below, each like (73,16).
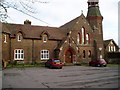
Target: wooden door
(68,57)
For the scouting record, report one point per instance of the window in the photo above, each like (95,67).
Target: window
(101,56)
(114,49)
(83,36)
(45,38)
(83,53)
(44,54)
(78,38)
(89,54)
(109,48)
(87,39)
(5,38)
(18,54)
(19,37)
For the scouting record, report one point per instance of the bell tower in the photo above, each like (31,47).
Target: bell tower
(95,19)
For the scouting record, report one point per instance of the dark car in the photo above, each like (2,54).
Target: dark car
(54,63)
(98,62)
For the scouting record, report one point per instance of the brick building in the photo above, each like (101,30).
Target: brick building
(79,40)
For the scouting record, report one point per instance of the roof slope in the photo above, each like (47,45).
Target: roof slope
(75,23)
(107,42)
(31,31)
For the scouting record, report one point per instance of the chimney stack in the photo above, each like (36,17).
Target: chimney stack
(27,22)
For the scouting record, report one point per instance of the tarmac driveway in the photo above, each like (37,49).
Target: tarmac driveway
(68,77)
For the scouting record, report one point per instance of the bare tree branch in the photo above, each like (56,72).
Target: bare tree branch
(24,6)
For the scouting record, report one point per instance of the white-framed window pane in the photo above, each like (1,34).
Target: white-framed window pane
(19,37)
(114,49)
(15,55)
(5,38)
(21,55)
(83,35)
(45,38)
(109,48)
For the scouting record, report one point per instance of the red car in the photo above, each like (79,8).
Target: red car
(54,63)
(98,62)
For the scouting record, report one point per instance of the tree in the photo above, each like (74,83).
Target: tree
(24,6)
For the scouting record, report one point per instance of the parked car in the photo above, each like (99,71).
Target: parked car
(54,63)
(98,62)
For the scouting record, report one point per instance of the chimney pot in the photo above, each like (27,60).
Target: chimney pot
(27,22)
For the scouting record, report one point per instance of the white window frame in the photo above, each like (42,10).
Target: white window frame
(19,37)
(44,54)
(114,49)
(5,38)
(109,48)
(44,38)
(18,54)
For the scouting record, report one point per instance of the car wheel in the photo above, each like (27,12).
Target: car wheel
(45,65)
(60,67)
(105,65)
(50,67)
(89,64)
(98,65)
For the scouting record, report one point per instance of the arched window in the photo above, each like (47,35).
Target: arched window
(78,38)
(83,36)
(87,38)
(89,54)
(83,53)
(19,37)
(44,38)
(5,38)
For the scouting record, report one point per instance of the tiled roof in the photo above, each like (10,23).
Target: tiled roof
(93,11)
(107,42)
(31,31)
(75,23)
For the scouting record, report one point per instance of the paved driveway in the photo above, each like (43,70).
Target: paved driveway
(68,77)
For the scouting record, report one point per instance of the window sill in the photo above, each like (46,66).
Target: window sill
(5,42)
(18,59)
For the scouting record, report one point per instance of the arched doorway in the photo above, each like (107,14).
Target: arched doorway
(69,55)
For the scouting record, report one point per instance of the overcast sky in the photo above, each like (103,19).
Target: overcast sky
(59,12)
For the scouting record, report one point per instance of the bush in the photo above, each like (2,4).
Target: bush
(114,61)
(15,62)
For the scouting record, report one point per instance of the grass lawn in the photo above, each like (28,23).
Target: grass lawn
(17,66)
(42,65)
(113,64)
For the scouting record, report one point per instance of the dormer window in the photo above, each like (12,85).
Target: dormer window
(44,38)
(5,38)
(19,37)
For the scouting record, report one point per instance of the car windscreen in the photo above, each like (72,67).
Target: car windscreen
(102,60)
(56,60)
